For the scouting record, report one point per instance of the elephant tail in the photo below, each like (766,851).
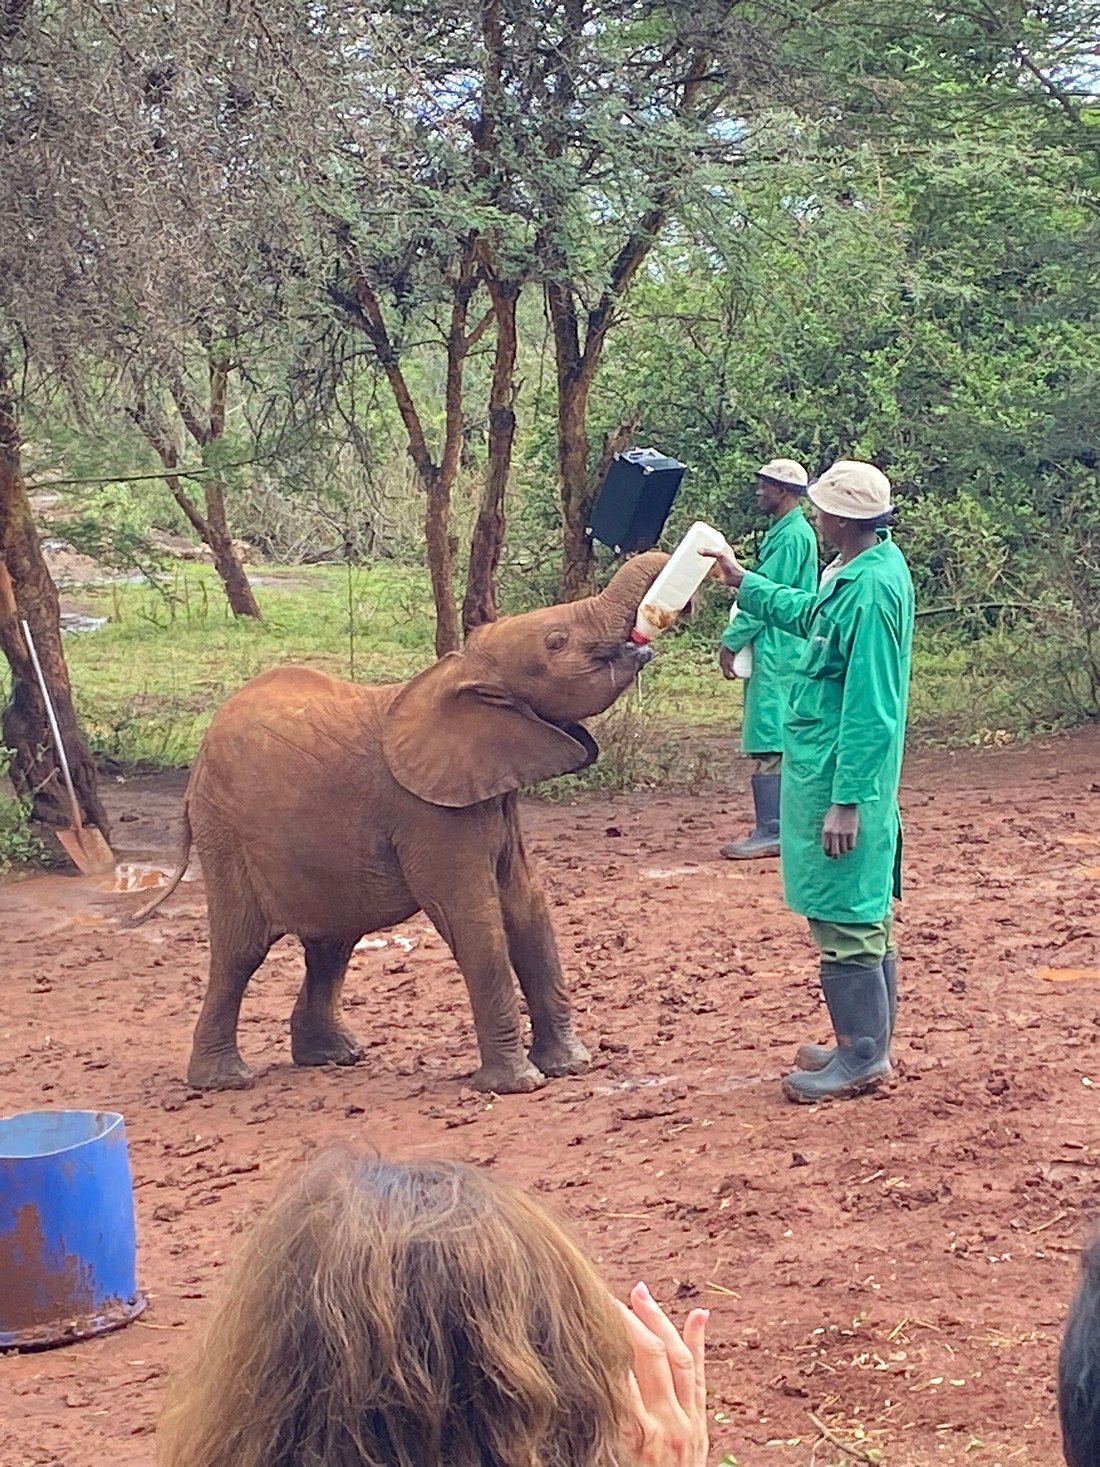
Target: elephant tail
(182,863)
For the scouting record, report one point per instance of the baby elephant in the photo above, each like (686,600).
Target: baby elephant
(329,810)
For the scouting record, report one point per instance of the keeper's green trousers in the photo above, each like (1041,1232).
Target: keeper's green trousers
(861,944)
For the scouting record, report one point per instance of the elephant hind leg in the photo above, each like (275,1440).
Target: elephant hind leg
(317,1037)
(239,942)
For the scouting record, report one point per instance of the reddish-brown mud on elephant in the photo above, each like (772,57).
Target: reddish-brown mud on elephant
(896,1266)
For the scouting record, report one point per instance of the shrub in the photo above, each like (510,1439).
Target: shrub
(19,846)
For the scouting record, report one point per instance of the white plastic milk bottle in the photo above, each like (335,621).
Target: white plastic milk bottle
(742,660)
(678,582)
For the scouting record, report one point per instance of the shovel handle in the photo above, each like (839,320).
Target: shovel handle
(78,824)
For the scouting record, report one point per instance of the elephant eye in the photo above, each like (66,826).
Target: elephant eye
(556,640)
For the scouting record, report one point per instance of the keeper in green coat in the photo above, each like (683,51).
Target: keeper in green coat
(842,753)
(764,655)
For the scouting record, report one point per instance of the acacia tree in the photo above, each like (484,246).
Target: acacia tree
(432,249)
(204,422)
(150,156)
(28,593)
(524,144)
(629,141)
(49,289)
(437,472)
(228,132)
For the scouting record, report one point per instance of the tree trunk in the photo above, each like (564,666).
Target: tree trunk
(480,604)
(437,480)
(441,564)
(238,590)
(27,592)
(578,572)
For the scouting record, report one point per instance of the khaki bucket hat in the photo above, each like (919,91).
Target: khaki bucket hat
(785,471)
(852,490)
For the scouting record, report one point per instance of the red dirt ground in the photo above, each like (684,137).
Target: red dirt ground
(897,1267)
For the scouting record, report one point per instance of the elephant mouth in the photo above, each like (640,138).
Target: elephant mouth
(626,651)
(580,735)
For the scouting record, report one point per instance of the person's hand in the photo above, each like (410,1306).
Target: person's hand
(841,829)
(727,568)
(668,1385)
(725,662)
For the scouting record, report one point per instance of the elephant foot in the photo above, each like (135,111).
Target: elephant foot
(563,1055)
(503,1077)
(218,1072)
(330,1044)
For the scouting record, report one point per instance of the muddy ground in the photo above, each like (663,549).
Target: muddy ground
(894,1270)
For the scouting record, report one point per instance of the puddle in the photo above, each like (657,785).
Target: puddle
(130,876)
(376,944)
(641,1082)
(666,873)
(137,878)
(718,1087)
(76,621)
(739,1082)
(1068,975)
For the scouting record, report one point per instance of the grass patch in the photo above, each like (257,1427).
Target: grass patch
(1007,685)
(148,682)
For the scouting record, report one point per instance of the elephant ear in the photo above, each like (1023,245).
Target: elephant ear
(453,740)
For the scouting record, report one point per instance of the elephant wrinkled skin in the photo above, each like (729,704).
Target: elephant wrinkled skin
(329,809)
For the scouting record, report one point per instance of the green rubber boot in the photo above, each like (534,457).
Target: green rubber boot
(764,840)
(817,1056)
(860,1011)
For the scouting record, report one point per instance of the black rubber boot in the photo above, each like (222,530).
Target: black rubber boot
(817,1056)
(764,841)
(860,1011)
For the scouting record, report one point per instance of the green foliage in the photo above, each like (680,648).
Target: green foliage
(878,238)
(19,845)
(148,683)
(113,529)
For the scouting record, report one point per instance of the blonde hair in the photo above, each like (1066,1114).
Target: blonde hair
(405,1314)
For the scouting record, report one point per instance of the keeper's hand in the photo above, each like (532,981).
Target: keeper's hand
(841,830)
(725,662)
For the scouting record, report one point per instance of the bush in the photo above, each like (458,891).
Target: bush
(19,846)
(639,750)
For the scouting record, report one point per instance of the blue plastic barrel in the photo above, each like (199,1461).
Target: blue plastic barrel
(68,1247)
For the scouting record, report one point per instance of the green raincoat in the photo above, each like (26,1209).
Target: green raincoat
(845,729)
(788,556)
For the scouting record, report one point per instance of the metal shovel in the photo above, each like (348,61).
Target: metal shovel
(85,845)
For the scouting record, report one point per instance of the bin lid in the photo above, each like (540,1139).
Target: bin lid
(650,458)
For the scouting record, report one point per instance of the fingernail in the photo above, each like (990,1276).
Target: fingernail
(644,1291)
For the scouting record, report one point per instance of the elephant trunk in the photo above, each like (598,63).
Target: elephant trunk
(626,590)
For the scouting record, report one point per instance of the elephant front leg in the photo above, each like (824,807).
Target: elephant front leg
(555,1048)
(476,937)
(317,1037)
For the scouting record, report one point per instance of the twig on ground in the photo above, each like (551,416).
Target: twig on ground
(830,1436)
(1061,1217)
